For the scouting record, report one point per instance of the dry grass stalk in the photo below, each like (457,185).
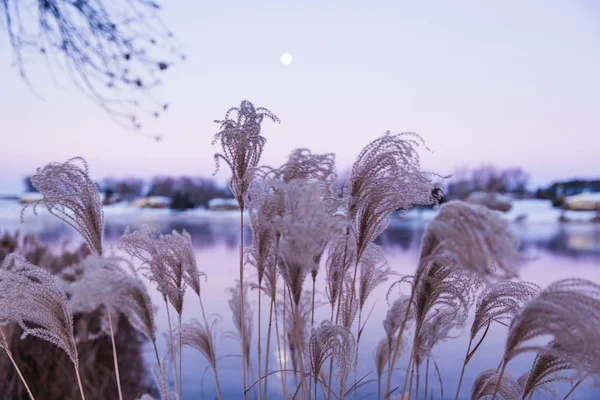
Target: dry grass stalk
(546,369)
(242,146)
(329,340)
(198,337)
(166,262)
(4,345)
(498,302)
(485,382)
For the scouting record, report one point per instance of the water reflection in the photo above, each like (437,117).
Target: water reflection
(563,250)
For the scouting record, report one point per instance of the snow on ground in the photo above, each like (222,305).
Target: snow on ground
(529,211)
(532,210)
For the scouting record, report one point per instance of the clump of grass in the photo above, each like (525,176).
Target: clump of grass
(298,220)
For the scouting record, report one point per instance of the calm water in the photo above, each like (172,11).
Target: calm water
(561,251)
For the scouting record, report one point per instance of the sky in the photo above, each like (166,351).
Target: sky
(508,83)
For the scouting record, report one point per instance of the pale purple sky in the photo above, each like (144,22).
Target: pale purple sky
(509,83)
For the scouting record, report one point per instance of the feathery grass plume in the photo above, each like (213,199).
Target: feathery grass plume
(400,315)
(395,315)
(437,327)
(301,320)
(305,226)
(348,306)
(196,336)
(318,169)
(31,298)
(476,238)
(569,312)
(485,382)
(381,356)
(373,271)
(459,249)
(164,262)
(103,284)
(160,377)
(96,281)
(264,207)
(102,281)
(340,257)
(547,368)
(134,302)
(329,340)
(37,253)
(499,302)
(237,316)
(439,286)
(242,145)
(386,176)
(70,195)
(191,274)
(302,164)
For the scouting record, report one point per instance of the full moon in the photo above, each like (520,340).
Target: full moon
(286,58)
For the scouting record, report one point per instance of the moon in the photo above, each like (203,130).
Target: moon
(286,58)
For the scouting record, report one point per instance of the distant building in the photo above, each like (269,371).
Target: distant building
(30,197)
(221,204)
(583,201)
(152,202)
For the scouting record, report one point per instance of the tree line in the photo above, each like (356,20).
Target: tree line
(185,192)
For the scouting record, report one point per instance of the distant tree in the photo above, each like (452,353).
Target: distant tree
(181,201)
(487,178)
(125,188)
(187,191)
(558,190)
(112,50)
(515,180)
(162,186)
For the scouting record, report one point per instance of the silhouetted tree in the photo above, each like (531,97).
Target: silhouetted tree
(125,188)
(112,50)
